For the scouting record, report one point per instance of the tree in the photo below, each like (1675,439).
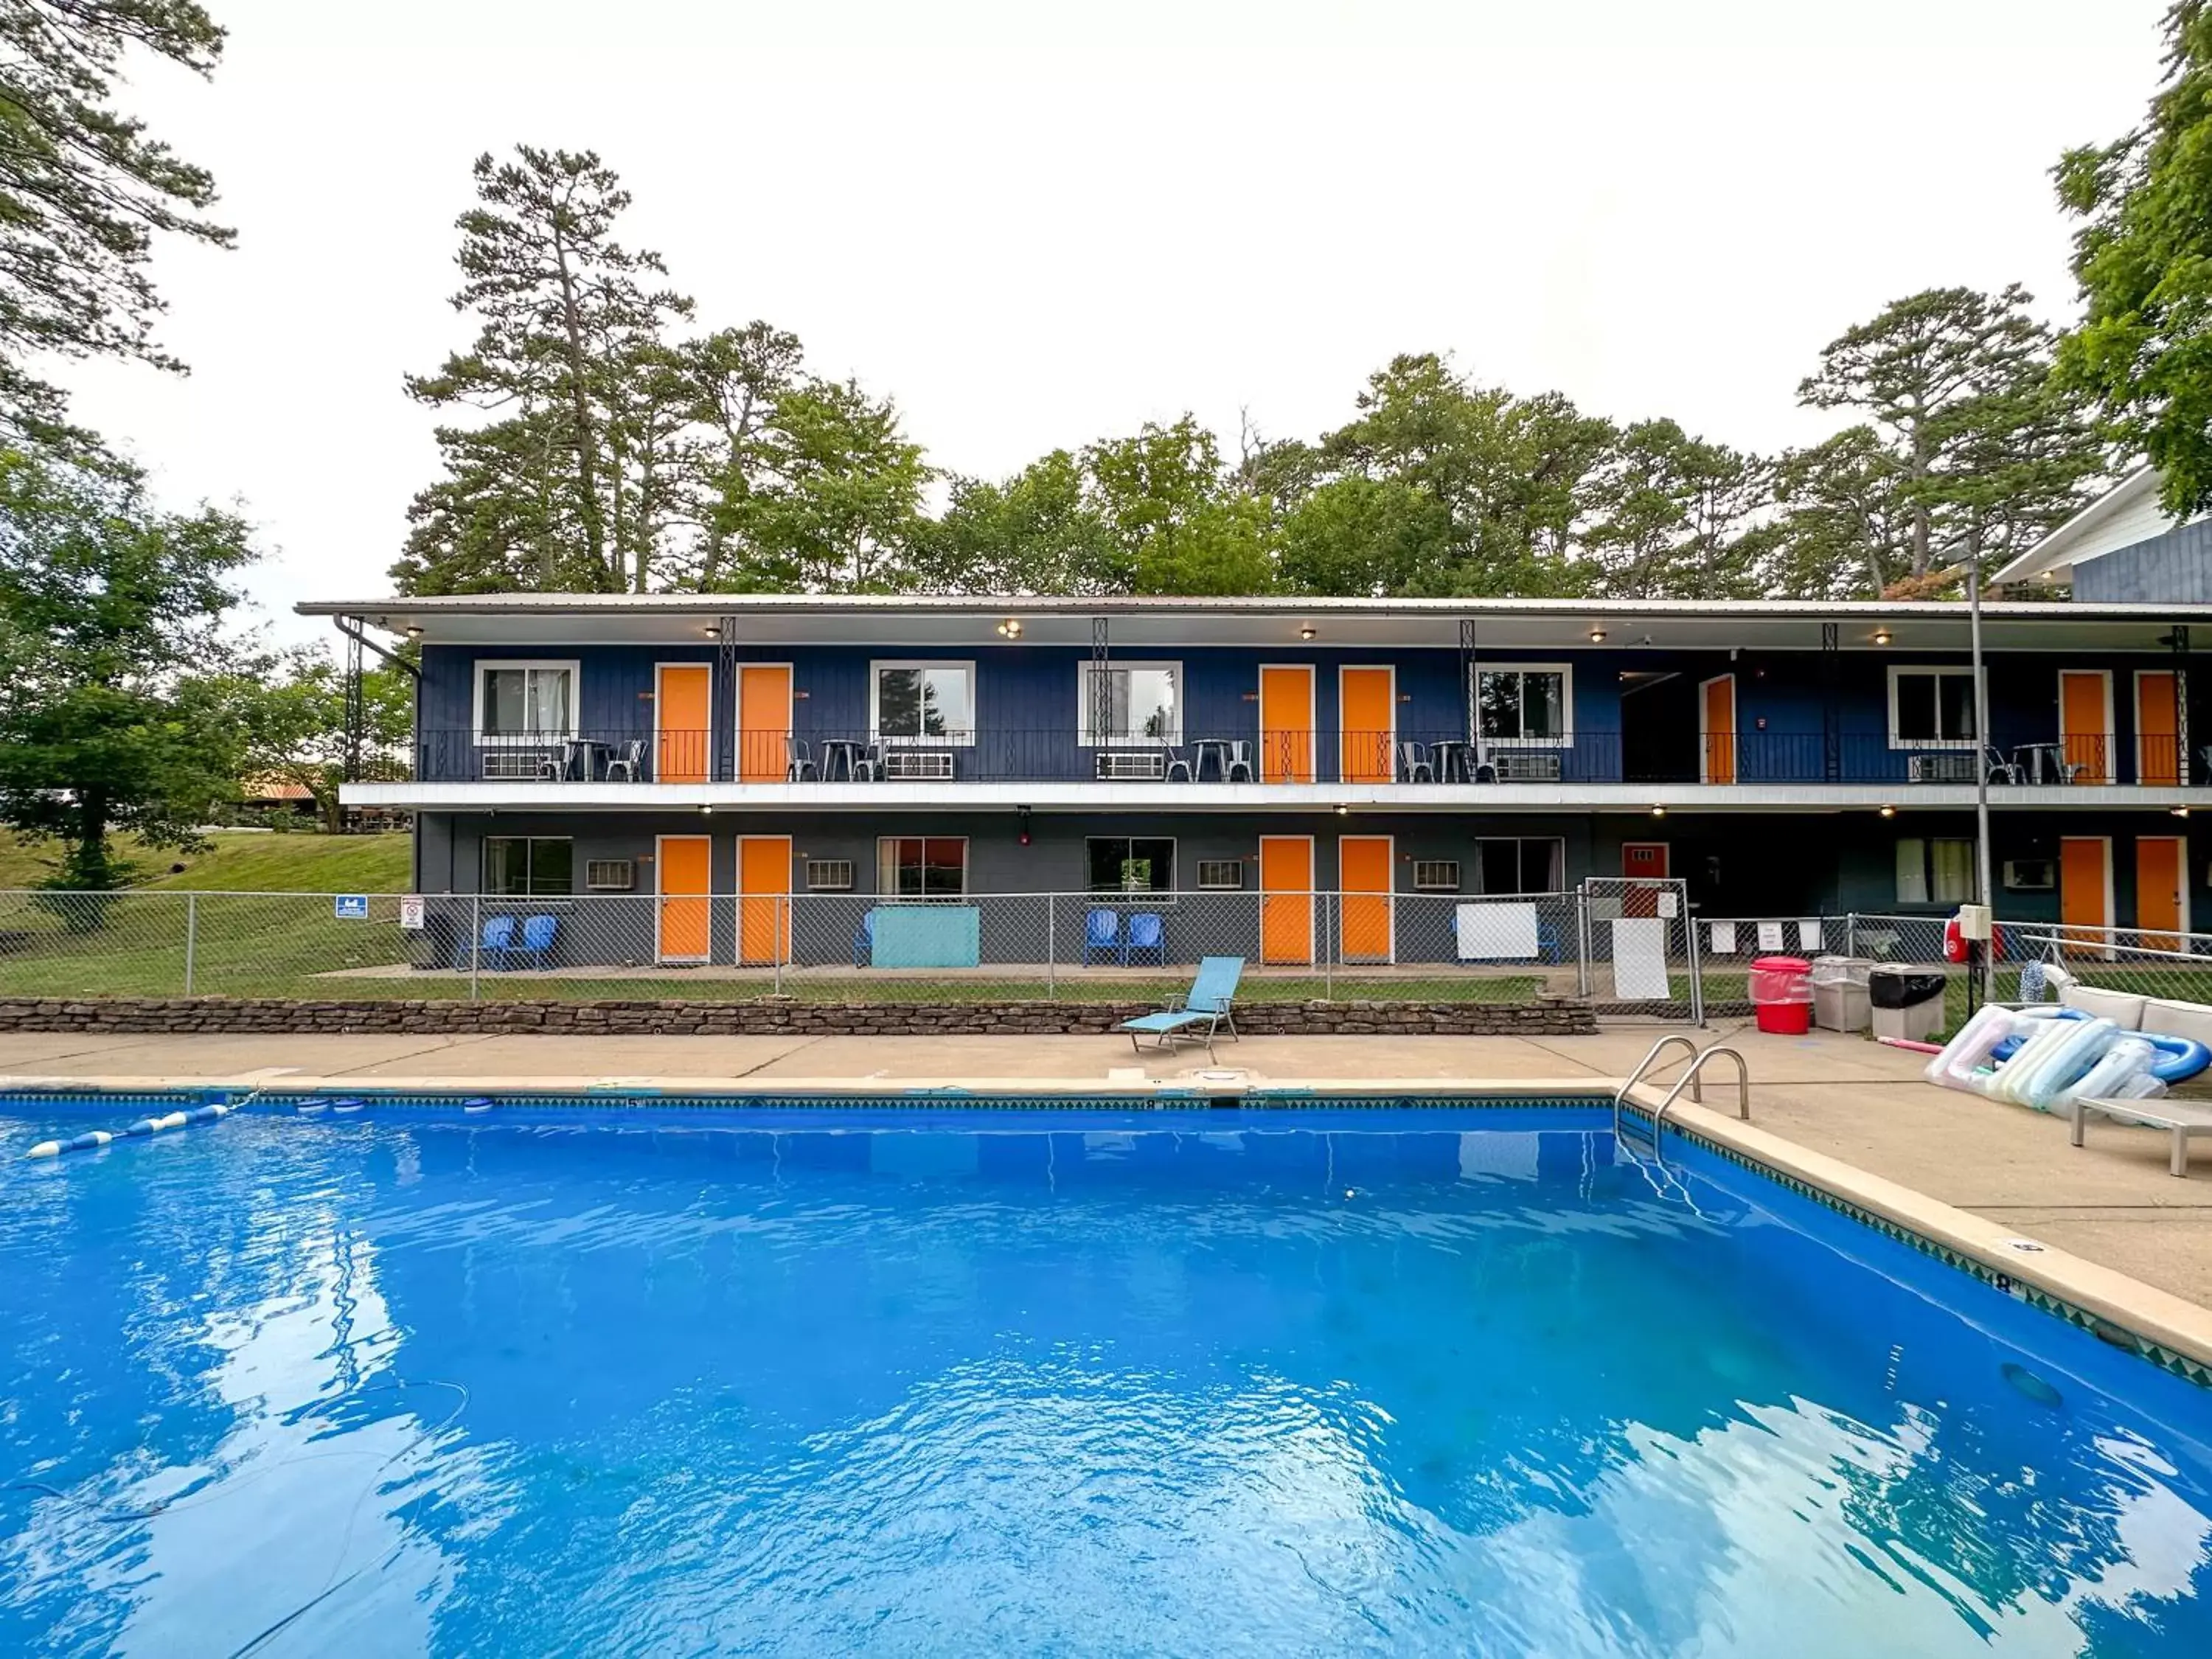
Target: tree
(571,354)
(1359,536)
(1178,524)
(1037,533)
(1956,385)
(1845,528)
(737,375)
(1677,516)
(293,710)
(2143,259)
(84,190)
(840,498)
(110,612)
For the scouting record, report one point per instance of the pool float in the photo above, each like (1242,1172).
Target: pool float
(2039,1073)
(2129,1057)
(1977,1040)
(2012,1075)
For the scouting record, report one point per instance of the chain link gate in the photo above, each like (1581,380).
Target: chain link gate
(1638,949)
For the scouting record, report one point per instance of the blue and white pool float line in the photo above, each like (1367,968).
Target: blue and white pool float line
(92,1140)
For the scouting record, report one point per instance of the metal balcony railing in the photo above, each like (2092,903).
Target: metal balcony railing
(1408,756)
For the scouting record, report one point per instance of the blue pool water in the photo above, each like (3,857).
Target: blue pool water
(1436,1382)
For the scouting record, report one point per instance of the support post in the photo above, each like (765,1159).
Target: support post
(724,695)
(1984,887)
(2182,760)
(777,947)
(1469,685)
(1831,718)
(1327,951)
(1690,952)
(475,944)
(191,936)
(1102,682)
(1051,950)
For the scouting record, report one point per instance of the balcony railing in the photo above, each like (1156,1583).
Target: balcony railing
(1411,756)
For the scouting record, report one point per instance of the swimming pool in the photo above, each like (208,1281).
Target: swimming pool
(952,1380)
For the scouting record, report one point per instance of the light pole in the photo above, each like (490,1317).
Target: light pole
(1985,886)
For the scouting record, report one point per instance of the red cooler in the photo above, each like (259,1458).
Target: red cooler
(1782,994)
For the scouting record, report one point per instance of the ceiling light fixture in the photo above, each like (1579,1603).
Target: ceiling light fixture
(1342,811)
(1597,636)
(2178,812)
(1011,628)
(1882,636)
(712,631)
(1658,811)
(1889,812)
(1308,631)
(414,630)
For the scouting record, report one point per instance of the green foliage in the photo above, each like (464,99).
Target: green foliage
(2143,258)
(294,711)
(83,190)
(1677,516)
(110,614)
(1357,536)
(1038,532)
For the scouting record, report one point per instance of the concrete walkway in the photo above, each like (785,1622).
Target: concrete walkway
(2112,1202)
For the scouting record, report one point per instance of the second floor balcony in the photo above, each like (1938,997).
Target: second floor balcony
(1419,759)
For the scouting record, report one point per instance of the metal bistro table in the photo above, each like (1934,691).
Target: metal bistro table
(1455,760)
(582,759)
(840,751)
(1199,749)
(2040,762)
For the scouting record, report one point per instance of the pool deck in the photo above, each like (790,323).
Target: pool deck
(1842,1107)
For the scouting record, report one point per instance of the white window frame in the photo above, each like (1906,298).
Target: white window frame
(967,863)
(1565,670)
(1928,871)
(964,739)
(1970,745)
(1088,738)
(1175,869)
(484,664)
(1557,843)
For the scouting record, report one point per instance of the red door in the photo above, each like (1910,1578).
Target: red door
(1642,860)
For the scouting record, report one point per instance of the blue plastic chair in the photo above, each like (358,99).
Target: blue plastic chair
(863,940)
(497,936)
(1102,931)
(537,943)
(1204,1011)
(1147,931)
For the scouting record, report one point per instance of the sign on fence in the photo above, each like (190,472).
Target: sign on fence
(410,912)
(350,906)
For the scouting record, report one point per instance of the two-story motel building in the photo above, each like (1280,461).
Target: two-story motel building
(1782,757)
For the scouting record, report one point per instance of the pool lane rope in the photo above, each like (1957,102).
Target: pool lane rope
(93,1139)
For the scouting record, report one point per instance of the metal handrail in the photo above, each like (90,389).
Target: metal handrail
(1644,1064)
(1742,1086)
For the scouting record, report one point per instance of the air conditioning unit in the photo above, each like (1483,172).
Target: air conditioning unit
(509,764)
(1131,766)
(1517,766)
(918,764)
(2030,875)
(1941,769)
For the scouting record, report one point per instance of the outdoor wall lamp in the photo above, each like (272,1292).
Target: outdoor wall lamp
(1658,811)
(1597,636)
(1308,631)
(1889,812)
(1011,629)
(1882,636)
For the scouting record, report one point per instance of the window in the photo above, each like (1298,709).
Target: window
(1522,864)
(526,699)
(1437,875)
(1219,874)
(528,867)
(922,701)
(830,875)
(922,866)
(1931,707)
(610,875)
(1531,704)
(1123,864)
(1143,703)
(1934,871)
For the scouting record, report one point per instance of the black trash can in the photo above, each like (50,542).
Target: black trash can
(1908,1002)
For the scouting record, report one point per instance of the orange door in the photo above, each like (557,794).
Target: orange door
(764,902)
(2084,732)
(1287,726)
(1719,720)
(2160,903)
(1642,860)
(681,694)
(763,723)
(1362,875)
(1367,715)
(2085,881)
(686,865)
(2158,728)
(1286,869)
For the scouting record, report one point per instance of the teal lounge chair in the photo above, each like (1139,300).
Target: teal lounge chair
(1199,1014)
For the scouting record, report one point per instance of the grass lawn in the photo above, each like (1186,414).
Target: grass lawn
(239,861)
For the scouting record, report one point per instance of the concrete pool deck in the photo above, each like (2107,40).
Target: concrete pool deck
(1845,1099)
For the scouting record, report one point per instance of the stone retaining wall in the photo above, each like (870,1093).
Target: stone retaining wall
(1548,1016)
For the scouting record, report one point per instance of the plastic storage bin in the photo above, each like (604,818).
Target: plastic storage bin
(1782,994)
(1908,1002)
(1840,992)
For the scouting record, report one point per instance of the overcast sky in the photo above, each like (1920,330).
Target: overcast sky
(1037,223)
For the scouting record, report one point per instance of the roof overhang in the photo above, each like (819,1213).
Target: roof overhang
(937,622)
(2088,534)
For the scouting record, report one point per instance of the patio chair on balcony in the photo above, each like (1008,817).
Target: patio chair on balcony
(1147,931)
(1102,931)
(1415,765)
(1175,763)
(631,762)
(866,764)
(799,761)
(1996,768)
(1240,760)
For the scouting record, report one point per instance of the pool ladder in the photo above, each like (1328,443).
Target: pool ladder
(1690,1079)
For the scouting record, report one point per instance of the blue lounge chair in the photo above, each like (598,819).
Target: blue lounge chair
(1102,931)
(497,936)
(1199,1015)
(536,947)
(1148,931)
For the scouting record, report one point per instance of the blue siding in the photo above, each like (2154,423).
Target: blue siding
(2175,568)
